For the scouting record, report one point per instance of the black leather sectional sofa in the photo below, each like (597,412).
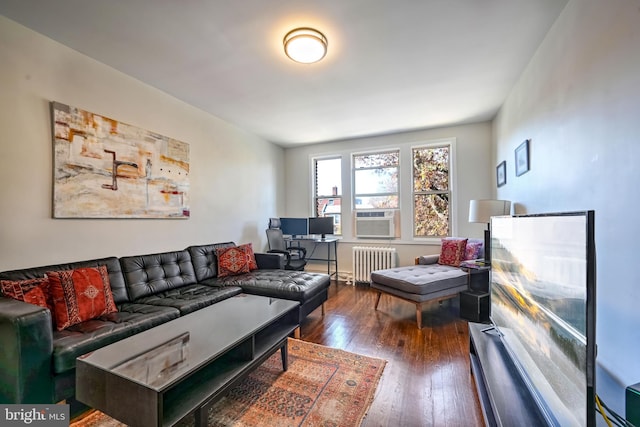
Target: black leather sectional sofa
(37,362)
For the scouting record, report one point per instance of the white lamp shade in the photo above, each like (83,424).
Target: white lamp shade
(483,210)
(305,45)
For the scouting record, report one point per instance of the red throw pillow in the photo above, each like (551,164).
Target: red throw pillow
(33,291)
(80,295)
(236,260)
(251,257)
(452,251)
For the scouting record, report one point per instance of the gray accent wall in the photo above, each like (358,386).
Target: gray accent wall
(579,102)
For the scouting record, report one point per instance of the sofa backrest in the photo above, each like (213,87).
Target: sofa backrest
(149,274)
(116,279)
(205,261)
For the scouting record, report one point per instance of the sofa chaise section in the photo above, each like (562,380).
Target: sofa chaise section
(310,289)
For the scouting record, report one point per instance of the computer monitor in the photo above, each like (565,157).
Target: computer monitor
(294,226)
(321,225)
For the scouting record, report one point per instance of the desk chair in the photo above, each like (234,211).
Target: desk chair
(277,244)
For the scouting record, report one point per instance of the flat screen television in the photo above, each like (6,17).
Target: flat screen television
(294,226)
(543,305)
(322,225)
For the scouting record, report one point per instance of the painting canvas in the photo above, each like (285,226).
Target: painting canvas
(108,169)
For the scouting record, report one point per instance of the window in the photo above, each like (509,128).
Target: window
(328,190)
(413,182)
(375,178)
(431,191)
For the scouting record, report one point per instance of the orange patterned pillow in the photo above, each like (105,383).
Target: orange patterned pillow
(452,251)
(251,257)
(80,295)
(33,291)
(236,260)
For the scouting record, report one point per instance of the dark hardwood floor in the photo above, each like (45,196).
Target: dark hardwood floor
(427,380)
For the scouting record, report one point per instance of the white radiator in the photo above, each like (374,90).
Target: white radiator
(367,259)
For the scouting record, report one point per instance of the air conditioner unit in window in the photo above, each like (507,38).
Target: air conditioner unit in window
(375,224)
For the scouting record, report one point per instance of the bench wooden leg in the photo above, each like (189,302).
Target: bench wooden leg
(322,309)
(296,333)
(377,300)
(419,315)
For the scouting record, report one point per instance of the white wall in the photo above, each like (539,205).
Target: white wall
(474,180)
(579,102)
(235,177)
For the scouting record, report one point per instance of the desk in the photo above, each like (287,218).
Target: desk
(315,242)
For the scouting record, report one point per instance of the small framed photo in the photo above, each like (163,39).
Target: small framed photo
(501,174)
(522,158)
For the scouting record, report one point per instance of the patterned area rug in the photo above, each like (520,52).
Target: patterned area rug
(322,387)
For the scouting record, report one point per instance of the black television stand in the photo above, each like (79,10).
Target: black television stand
(504,397)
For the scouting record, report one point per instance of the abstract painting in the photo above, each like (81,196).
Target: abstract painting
(104,168)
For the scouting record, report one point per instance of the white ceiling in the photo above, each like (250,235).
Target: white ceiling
(391,66)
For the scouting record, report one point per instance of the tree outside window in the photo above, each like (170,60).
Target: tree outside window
(431,191)
(375,177)
(328,190)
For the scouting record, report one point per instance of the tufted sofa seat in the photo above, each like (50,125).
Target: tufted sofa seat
(169,280)
(426,281)
(37,362)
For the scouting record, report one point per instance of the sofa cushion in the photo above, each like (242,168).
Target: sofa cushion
(79,295)
(33,291)
(191,297)
(150,274)
(287,284)
(421,279)
(452,251)
(84,337)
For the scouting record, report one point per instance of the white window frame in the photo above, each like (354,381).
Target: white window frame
(397,193)
(452,213)
(405,189)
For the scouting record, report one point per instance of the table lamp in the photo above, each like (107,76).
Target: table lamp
(482,211)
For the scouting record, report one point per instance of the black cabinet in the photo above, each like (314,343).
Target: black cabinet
(474,306)
(479,278)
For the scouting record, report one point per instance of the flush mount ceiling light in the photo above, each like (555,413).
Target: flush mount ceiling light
(305,45)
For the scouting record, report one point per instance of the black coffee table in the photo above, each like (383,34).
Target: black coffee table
(159,376)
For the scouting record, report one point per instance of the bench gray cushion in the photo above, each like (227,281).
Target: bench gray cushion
(420,279)
(420,297)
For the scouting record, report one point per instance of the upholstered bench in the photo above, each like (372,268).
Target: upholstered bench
(427,280)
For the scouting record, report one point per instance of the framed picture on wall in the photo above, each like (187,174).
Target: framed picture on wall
(522,158)
(501,174)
